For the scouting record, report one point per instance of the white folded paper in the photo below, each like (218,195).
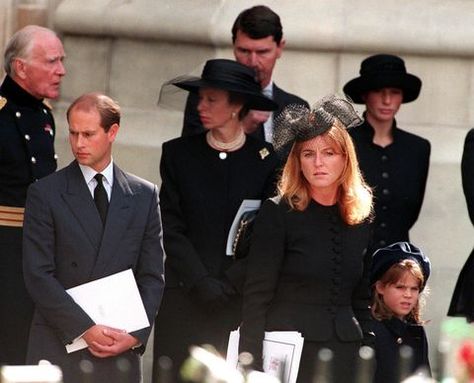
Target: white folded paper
(281,353)
(112,301)
(245,206)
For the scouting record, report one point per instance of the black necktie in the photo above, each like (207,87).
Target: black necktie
(100,197)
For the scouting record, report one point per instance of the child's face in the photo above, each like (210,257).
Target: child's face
(400,297)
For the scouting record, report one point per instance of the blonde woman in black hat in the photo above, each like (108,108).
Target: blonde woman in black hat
(394,162)
(205,178)
(306,269)
(399,274)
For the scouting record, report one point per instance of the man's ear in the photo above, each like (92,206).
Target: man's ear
(280,47)
(19,68)
(113,130)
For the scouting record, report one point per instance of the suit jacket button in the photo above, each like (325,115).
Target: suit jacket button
(73,264)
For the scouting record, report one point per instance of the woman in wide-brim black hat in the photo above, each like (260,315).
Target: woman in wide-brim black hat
(205,178)
(394,162)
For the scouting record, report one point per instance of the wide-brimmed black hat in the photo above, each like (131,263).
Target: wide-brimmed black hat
(386,257)
(233,77)
(383,71)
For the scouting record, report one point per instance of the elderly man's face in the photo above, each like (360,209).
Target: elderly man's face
(41,72)
(258,54)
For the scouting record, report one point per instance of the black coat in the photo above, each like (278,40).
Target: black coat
(307,273)
(26,155)
(192,123)
(390,336)
(199,197)
(462,302)
(397,174)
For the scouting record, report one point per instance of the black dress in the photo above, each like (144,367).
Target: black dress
(26,155)
(397,173)
(462,302)
(199,198)
(307,272)
(390,336)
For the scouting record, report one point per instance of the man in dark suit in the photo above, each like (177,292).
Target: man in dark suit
(257,37)
(88,221)
(33,63)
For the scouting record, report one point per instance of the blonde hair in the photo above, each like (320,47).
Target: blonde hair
(393,275)
(354,197)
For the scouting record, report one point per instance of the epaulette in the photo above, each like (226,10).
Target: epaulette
(47,104)
(3,102)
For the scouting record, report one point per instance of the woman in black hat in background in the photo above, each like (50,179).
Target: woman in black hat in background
(394,162)
(205,178)
(306,266)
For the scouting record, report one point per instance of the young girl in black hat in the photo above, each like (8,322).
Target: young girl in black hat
(399,274)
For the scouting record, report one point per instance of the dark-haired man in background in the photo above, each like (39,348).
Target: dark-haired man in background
(257,37)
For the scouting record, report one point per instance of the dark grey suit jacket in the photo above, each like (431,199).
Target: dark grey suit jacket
(65,245)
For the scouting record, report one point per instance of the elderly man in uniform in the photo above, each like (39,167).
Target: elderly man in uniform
(34,68)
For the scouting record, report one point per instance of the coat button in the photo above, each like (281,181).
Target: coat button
(56,156)
(27,137)
(383,225)
(45,111)
(399,340)
(33,160)
(384,158)
(73,264)
(385,191)
(18,114)
(384,175)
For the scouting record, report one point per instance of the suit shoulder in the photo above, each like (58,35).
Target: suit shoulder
(139,183)
(288,98)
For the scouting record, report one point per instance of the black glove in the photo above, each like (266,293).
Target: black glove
(213,293)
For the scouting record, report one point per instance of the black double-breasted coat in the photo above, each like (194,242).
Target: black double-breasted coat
(390,336)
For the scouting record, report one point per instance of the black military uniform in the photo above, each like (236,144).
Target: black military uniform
(26,155)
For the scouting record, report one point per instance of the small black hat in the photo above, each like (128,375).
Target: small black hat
(383,71)
(386,257)
(233,77)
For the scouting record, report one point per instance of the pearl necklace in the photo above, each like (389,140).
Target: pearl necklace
(224,147)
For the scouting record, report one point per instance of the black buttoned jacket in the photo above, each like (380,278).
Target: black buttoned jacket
(390,336)
(397,175)
(307,272)
(26,142)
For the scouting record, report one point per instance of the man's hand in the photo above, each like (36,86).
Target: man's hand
(96,334)
(121,342)
(253,120)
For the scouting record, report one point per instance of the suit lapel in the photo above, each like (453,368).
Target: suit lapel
(79,199)
(118,217)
